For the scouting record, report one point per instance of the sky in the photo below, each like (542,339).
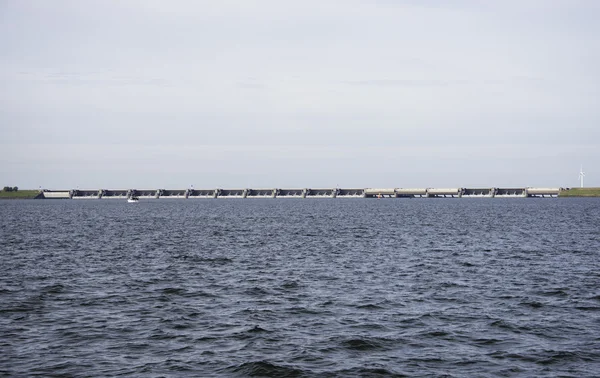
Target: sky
(311,93)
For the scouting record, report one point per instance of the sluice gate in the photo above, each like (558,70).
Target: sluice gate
(302,193)
(321,193)
(411,193)
(350,193)
(57,194)
(479,192)
(261,193)
(202,193)
(380,193)
(443,193)
(86,194)
(231,193)
(291,193)
(511,192)
(164,193)
(542,192)
(116,194)
(145,193)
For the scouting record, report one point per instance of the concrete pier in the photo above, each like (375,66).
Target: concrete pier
(302,193)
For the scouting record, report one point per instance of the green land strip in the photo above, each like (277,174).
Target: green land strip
(20,194)
(580,192)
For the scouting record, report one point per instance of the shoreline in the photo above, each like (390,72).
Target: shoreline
(579,192)
(21,194)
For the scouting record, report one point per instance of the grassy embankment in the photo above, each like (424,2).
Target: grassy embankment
(21,194)
(580,192)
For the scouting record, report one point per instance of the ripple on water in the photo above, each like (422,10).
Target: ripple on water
(300,288)
(264,369)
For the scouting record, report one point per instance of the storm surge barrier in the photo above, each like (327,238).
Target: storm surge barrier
(301,193)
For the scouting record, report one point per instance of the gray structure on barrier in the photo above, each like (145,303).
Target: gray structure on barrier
(302,193)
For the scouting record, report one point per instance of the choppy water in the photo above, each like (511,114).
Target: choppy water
(464,287)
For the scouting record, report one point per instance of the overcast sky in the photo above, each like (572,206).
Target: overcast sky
(276,93)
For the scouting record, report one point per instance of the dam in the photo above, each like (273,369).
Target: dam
(524,192)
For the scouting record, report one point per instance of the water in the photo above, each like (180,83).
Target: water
(456,287)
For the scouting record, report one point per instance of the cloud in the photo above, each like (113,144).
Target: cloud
(406,83)
(287,82)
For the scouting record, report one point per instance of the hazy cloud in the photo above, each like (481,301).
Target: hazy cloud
(363,93)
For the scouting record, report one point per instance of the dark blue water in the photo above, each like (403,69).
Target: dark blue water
(456,287)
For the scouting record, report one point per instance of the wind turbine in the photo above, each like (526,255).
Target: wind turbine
(581,175)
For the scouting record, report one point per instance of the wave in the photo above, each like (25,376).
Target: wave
(265,369)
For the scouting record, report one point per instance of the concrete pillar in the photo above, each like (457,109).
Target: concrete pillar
(304,192)
(245,193)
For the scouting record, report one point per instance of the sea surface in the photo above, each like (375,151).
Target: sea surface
(300,288)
